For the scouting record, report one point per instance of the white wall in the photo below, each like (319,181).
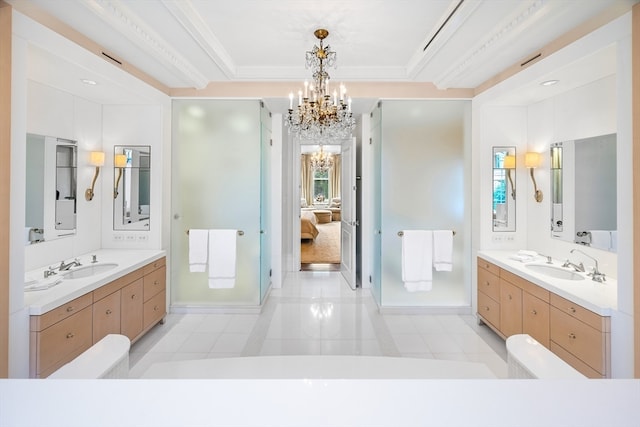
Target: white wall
(593,108)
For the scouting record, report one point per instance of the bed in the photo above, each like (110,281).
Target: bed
(308,229)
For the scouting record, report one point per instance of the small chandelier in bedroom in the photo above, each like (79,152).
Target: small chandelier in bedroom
(319,114)
(321,161)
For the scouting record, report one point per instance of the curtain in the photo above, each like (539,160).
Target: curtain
(306,179)
(334,177)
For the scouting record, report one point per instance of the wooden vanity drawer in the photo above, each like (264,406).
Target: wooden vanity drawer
(489,284)
(154,265)
(39,323)
(592,319)
(490,267)
(580,339)
(154,309)
(154,282)
(106,316)
(62,342)
(489,309)
(525,285)
(535,318)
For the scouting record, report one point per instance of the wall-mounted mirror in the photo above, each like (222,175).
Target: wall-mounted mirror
(51,186)
(132,185)
(584,192)
(504,189)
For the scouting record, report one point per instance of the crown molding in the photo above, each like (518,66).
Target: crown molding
(117,15)
(487,46)
(423,57)
(184,13)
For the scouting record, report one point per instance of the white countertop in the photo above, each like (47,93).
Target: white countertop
(40,302)
(600,298)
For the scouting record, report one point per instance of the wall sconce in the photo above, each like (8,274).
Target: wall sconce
(96,158)
(509,164)
(532,160)
(120,163)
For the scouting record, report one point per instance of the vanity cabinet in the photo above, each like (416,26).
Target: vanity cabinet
(60,335)
(129,305)
(511,305)
(581,337)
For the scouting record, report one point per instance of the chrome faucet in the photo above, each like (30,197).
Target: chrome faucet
(596,275)
(65,267)
(578,267)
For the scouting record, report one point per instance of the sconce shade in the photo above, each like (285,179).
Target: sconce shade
(532,160)
(509,162)
(96,158)
(120,161)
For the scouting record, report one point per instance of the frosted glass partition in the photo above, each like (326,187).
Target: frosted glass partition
(216,171)
(376,145)
(265,205)
(422,178)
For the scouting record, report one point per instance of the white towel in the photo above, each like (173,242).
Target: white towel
(417,260)
(222,258)
(198,243)
(443,250)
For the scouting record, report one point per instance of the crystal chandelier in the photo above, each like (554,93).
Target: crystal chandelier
(319,115)
(321,161)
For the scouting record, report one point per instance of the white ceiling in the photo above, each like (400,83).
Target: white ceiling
(190,43)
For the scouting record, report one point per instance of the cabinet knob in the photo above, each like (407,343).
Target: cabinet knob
(534,312)
(486,308)
(510,297)
(487,283)
(155,308)
(108,311)
(155,282)
(572,309)
(133,296)
(70,335)
(572,336)
(69,309)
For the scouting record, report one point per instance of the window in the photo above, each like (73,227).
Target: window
(320,185)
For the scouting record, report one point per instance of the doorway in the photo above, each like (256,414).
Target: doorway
(320,207)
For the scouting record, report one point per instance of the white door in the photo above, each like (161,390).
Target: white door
(348,212)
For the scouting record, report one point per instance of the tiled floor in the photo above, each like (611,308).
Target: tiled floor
(316,313)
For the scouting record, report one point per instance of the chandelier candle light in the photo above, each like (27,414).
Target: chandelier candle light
(321,161)
(318,115)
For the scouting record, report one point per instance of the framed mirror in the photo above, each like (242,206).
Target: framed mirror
(51,188)
(504,189)
(584,192)
(131,189)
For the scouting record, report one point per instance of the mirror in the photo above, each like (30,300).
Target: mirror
(131,190)
(504,189)
(584,192)
(51,184)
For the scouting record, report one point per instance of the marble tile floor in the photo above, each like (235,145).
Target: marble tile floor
(316,313)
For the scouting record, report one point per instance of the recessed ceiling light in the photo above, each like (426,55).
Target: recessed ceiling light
(549,82)
(89,82)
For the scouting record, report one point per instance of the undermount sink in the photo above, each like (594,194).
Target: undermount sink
(555,272)
(89,270)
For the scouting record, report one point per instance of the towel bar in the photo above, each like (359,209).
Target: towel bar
(240,233)
(401,233)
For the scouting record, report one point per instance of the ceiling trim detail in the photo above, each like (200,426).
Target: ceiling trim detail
(123,20)
(421,58)
(192,22)
(469,61)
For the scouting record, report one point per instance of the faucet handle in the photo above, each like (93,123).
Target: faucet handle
(78,263)
(94,258)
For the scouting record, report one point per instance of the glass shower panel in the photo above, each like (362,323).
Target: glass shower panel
(376,148)
(265,202)
(422,179)
(216,185)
